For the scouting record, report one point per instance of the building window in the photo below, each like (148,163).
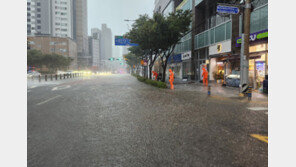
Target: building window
(38,4)
(38,15)
(38,21)
(64,24)
(57,24)
(28,9)
(63,29)
(39,27)
(38,10)
(28,20)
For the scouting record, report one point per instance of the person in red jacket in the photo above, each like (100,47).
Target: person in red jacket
(171,79)
(205,76)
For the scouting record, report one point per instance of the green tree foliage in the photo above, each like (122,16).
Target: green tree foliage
(51,61)
(158,36)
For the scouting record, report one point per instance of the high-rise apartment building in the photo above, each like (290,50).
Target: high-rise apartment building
(50,17)
(38,17)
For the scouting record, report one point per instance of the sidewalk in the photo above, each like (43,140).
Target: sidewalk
(218,90)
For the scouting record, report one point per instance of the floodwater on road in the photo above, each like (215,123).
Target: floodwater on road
(118,121)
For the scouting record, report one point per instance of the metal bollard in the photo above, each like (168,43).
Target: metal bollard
(60,76)
(70,75)
(249,92)
(56,76)
(45,77)
(39,77)
(64,76)
(209,90)
(51,77)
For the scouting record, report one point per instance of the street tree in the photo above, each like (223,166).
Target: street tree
(176,26)
(144,33)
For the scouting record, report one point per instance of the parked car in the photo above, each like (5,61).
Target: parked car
(32,74)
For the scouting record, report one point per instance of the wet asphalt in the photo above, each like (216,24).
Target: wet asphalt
(118,121)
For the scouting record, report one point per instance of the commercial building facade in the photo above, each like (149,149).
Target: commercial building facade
(59,45)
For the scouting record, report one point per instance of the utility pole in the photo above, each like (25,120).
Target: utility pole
(244,77)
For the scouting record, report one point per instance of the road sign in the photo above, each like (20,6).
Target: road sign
(121,41)
(227,9)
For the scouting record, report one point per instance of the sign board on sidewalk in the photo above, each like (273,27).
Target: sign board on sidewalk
(227,9)
(121,41)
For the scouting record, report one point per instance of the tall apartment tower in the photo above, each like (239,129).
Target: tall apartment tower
(106,42)
(38,17)
(50,17)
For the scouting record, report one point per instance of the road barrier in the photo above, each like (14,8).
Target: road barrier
(55,76)
(209,90)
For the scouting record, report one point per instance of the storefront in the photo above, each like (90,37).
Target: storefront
(186,66)
(258,62)
(175,64)
(219,65)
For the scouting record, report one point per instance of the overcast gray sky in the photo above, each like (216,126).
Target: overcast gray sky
(114,12)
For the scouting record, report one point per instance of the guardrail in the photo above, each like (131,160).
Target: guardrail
(55,77)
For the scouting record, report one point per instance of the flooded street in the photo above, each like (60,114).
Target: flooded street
(116,120)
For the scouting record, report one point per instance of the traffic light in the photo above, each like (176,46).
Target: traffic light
(111,59)
(121,63)
(119,59)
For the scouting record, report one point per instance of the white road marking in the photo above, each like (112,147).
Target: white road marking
(61,87)
(48,100)
(258,108)
(33,87)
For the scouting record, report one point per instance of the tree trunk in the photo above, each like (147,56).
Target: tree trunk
(164,70)
(150,71)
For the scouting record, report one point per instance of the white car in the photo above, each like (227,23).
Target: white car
(32,74)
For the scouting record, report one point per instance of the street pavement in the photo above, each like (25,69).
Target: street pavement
(116,120)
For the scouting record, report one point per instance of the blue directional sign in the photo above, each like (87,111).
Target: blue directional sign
(121,41)
(227,9)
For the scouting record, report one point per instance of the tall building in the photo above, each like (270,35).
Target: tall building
(39,18)
(106,42)
(80,32)
(62,18)
(94,48)
(50,18)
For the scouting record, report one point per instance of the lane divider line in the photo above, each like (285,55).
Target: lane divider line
(258,108)
(260,137)
(48,100)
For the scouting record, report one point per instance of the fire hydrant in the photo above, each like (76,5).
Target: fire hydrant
(171,79)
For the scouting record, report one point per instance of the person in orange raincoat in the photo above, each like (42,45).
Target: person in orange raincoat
(155,75)
(205,76)
(171,79)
